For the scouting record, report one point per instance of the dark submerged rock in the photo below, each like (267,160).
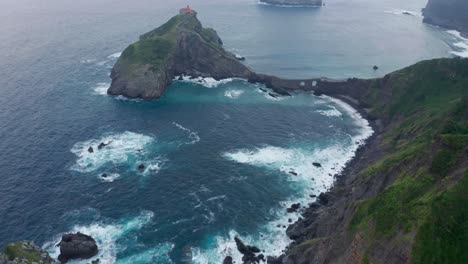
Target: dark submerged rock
(103,145)
(77,246)
(316,164)
(294,208)
(228,260)
(90,150)
(141,167)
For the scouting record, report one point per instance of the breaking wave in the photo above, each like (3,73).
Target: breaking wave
(120,149)
(461,44)
(309,168)
(109,238)
(101,88)
(207,82)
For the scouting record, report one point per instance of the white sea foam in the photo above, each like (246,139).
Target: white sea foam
(193,136)
(233,94)
(88,61)
(207,82)
(106,236)
(272,237)
(101,88)
(462,44)
(109,177)
(121,147)
(331,112)
(115,55)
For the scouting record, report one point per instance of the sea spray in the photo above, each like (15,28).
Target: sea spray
(120,149)
(300,165)
(108,237)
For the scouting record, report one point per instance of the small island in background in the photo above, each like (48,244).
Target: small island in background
(293,2)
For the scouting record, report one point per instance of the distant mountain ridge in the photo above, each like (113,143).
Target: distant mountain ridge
(450,14)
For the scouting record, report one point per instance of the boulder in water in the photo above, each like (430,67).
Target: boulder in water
(77,246)
(90,150)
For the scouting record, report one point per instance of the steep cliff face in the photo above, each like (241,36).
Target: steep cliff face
(451,14)
(181,46)
(294,2)
(403,200)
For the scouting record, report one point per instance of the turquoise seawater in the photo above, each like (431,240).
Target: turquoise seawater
(218,156)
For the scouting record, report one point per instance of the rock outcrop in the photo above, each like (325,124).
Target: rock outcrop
(77,246)
(293,2)
(25,252)
(450,14)
(181,46)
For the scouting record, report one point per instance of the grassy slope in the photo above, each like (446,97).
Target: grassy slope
(16,250)
(428,103)
(155,47)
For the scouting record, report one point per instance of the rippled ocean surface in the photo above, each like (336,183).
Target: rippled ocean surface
(219,157)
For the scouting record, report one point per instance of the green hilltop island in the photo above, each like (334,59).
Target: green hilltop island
(179,47)
(293,2)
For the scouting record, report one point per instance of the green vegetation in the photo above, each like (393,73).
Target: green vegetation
(17,250)
(443,237)
(425,151)
(157,46)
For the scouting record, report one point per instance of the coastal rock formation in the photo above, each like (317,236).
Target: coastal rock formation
(293,2)
(181,46)
(450,14)
(77,246)
(25,252)
(403,199)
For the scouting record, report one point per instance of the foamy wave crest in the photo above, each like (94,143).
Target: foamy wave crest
(233,93)
(193,136)
(115,55)
(462,44)
(109,177)
(101,88)
(107,237)
(298,164)
(88,61)
(331,112)
(207,82)
(120,148)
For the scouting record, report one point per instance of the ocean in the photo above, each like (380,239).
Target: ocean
(220,157)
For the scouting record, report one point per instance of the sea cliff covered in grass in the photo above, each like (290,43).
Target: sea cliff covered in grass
(404,199)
